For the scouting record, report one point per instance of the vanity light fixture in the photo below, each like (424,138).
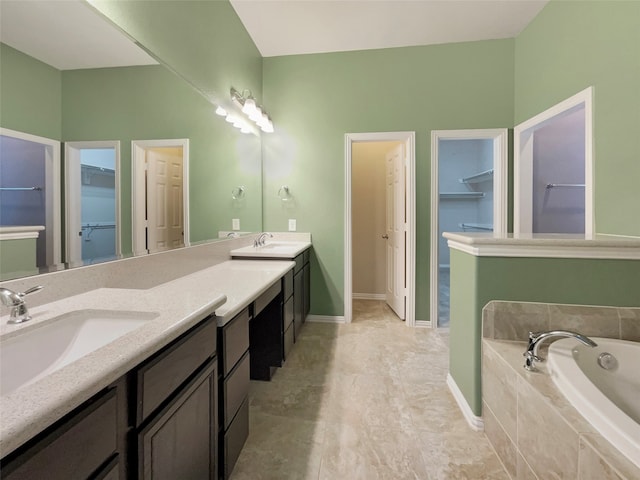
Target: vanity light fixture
(249,107)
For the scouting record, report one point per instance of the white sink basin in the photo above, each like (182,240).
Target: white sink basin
(272,250)
(36,352)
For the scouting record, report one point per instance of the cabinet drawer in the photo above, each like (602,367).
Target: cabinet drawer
(234,438)
(288,313)
(161,375)
(299,263)
(233,341)
(235,389)
(264,299)
(287,284)
(288,341)
(75,448)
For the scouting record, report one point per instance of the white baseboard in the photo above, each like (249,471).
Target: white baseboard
(475,422)
(369,296)
(423,323)
(325,319)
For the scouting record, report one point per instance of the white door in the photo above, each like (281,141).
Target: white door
(165,225)
(395,230)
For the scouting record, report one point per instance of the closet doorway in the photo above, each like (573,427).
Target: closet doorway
(380,221)
(468,194)
(92,199)
(553,169)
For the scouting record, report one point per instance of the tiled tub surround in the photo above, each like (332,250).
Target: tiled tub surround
(534,429)
(206,281)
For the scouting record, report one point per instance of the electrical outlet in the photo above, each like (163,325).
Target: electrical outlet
(292,224)
(235,224)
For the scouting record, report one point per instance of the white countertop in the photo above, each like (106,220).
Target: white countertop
(272,249)
(545,245)
(225,289)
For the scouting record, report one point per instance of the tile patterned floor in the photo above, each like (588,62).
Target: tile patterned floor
(363,401)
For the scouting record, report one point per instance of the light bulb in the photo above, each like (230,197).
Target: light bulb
(230,119)
(221,111)
(249,107)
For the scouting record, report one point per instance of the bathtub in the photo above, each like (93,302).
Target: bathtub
(608,398)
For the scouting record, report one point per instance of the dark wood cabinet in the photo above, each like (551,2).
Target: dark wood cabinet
(180,441)
(159,421)
(78,446)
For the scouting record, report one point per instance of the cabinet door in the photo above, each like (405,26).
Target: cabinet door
(298,301)
(180,441)
(307,291)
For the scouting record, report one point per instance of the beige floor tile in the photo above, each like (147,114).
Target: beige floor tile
(365,401)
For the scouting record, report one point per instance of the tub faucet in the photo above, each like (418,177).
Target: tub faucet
(536,339)
(19,311)
(262,238)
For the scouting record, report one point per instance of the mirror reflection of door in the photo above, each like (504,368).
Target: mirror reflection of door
(165,226)
(92,207)
(160,213)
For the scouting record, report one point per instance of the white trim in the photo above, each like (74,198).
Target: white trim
(547,251)
(475,422)
(72,196)
(138,192)
(500,166)
(523,160)
(53,213)
(618,236)
(410,141)
(424,324)
(20,232)
(369,296)
(325,319)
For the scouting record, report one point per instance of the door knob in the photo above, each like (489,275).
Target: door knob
(385,236)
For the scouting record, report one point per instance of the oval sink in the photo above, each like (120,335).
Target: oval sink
(36,352)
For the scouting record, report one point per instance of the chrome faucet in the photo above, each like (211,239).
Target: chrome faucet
(536,339)
(262,238)
(19,311)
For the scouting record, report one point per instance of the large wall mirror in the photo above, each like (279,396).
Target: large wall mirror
(66,77)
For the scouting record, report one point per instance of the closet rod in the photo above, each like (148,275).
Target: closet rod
(20,189)
(565,185)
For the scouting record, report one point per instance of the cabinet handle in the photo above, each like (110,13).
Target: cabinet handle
(385,236)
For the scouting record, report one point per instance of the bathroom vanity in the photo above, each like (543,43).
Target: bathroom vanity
(169,399)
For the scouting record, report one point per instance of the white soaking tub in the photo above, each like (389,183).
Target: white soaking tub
(603,384)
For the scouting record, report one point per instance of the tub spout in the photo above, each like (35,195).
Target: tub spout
(535,340)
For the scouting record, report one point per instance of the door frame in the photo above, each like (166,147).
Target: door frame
(409,138)
(500,171)
(523,162)
(53,209)
(138,190)
(72,195)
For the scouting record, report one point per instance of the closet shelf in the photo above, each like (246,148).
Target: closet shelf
(478,177)
(461,195)
(476,226)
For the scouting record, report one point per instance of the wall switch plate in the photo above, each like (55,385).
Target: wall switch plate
(235,224)
(292,224)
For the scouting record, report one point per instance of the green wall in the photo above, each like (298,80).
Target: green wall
(203,41)
(477,280)
(573,45)
(316,99)
(17,258)
(30,94)
(144,103)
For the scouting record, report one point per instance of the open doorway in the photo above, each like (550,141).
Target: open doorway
(553,174)
(92,189)
(380,221)
(468,194)
(160,195)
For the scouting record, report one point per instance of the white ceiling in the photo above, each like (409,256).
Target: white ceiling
(314,26)
(66,34)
